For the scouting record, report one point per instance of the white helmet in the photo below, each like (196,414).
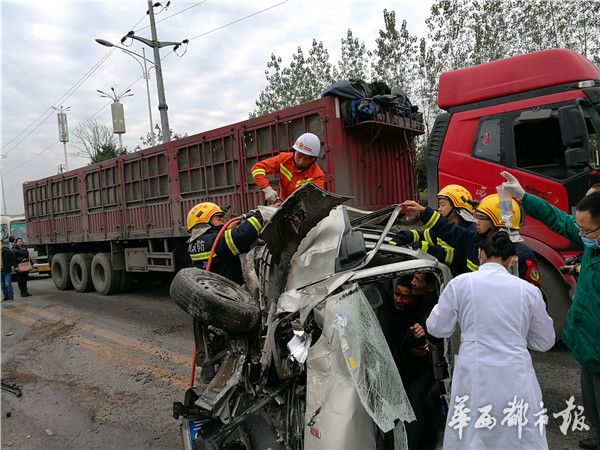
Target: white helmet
(308,144)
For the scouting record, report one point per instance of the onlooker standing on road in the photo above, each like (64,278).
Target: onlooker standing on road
(8,263)
(582,328)
(21,255)
(500,316)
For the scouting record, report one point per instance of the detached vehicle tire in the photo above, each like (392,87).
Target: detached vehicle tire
(59,271)
(106,280)
(80,270)
(214,300)
(556,296)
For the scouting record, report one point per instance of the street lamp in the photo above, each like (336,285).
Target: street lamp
(145,73)
(118,116)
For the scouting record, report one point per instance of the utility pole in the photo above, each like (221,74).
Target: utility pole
(156,46)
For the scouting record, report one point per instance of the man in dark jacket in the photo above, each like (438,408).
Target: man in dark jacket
(205,221)
(7,265)
(582,330)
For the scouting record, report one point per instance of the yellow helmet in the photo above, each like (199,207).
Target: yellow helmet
(202,213)
(490,206)
(458,195)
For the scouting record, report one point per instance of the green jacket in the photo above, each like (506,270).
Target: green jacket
(582,328)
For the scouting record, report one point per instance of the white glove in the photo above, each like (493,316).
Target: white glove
(266,212)
(512,186)
(271,195)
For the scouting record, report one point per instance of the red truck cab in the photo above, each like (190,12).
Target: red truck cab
(537,116)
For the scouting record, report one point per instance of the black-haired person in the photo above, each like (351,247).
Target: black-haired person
(8,263)
(582,327)
(573,265)
(412,353)
(21,255)
(500,316)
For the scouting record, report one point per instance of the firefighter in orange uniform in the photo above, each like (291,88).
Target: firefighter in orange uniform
(294,168)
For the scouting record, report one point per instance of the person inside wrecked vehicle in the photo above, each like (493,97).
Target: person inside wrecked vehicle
(500,316)
(295,169)
(411,348)
(581,333)
(204,222)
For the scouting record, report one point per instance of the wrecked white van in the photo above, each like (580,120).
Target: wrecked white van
(297,358)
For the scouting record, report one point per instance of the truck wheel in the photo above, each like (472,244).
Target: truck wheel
(125,281)
(214,300)
(556,296)
(60,271)
(106,280)
(80,270)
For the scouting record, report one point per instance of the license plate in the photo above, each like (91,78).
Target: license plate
(43,268)
(190,430)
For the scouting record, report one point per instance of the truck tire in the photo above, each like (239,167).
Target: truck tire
(60,271)
(556,296)
(106,280)
(214,300)
(125,281)
(80,270)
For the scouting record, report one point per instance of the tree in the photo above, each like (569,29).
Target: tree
(395,55)
(98,141)
(354,62)
(152,139)
(302,81)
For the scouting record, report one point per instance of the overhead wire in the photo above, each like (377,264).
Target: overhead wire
(238,20)
(172,15)
(139,78)
(58,102)
(46,114)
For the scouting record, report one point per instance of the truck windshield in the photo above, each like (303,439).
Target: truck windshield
(18,230)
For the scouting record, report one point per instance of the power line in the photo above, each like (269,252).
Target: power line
(172,15)
(44,116)
(238,20)
(32,158)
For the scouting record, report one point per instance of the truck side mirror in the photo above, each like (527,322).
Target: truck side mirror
(576,157)
(572,127)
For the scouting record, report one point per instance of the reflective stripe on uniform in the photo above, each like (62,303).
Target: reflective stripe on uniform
(449,251)
(433,219)
(229,240)
(301,182)
(258,172)
(255,223)
(424,246)
(415,234)
(427,236)
(471,265)
(285,172)
(203,256)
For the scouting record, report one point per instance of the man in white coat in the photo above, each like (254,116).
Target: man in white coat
(496,401)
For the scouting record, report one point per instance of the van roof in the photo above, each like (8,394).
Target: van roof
(513,75)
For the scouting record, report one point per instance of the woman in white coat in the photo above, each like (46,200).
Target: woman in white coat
(496,401)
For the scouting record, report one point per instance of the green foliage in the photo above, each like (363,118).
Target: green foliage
(98,141)
(460,33)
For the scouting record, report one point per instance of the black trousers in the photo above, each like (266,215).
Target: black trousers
(590,391)
(22,282)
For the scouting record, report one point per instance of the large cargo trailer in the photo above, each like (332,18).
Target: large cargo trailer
(126,215)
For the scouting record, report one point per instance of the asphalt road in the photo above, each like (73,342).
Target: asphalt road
(102,372)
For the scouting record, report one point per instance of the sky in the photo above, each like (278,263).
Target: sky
(50,59)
